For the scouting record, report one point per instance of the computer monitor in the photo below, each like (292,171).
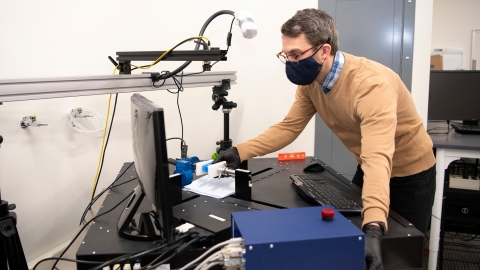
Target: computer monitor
(151,164)
(454,95)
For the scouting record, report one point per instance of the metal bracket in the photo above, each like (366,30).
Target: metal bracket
(243,184)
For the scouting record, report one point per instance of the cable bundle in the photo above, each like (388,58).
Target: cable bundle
(73,122)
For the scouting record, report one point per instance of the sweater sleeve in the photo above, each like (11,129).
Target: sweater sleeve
(376,108)
(282,134)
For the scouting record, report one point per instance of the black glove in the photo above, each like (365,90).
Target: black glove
(373,250)
(231,156)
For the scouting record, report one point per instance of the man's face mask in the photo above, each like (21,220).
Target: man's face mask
(303,72)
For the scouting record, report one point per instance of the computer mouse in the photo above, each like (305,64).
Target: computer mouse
(313,166)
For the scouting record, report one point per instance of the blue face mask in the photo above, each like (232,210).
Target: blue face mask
(305,72)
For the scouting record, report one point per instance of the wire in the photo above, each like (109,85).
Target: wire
(440,128)
(168,51)
(108,188)
(230,32)
(131,256)
(106,143)
(102,151)
(63,259)
(83,228)
(207,252)
(178,250)
(176,138)
(215,256)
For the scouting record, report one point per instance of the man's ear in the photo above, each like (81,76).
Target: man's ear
(326,49)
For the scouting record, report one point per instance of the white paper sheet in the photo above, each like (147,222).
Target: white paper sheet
(213,187)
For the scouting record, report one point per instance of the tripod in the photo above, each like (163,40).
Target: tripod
(11,251)
(218,96)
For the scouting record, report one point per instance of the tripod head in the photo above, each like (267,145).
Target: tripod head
(219,94)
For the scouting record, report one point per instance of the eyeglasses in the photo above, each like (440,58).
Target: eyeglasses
(293,58)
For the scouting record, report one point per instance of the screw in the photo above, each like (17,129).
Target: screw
(108,230)
(93,252)
(250,248)
(83,243)
(100,228)
(359,238)
(271,245)
(408,234)
(194,205)
(408,57)
(183,210)
(205,201)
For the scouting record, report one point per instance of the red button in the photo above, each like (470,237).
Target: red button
(327,214)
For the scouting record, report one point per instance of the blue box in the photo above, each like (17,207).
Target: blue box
(298,238)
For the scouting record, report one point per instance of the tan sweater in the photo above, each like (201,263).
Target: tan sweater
(373,114)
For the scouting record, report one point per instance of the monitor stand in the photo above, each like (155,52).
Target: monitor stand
(145,229)
(148,228)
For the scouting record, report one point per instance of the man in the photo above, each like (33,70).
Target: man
(370,110)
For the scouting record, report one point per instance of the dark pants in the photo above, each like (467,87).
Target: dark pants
(410,196)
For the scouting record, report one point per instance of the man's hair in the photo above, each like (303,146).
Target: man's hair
(319,28)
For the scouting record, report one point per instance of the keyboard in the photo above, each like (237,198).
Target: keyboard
(318,190)
(468,129)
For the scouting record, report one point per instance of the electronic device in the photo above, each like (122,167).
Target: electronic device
(313,166)
(299,238)
(467,129)
(455,95)
(320,190)
(461,210)
(151,164)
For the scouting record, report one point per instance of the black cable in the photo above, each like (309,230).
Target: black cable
(105,148)
(98,196)
(201,40)
(202,31)
(176,138)
(178,250)
(179,85)
(229,35)
(132,256)
(64,259)
(440,128)
(83,228)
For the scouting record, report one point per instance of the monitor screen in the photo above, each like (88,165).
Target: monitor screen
(151,165)
(454,95)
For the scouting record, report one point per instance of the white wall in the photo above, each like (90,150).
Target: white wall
(453,22)
(48,172)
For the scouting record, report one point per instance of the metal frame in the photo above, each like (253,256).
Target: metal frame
(45,88)
(201,55)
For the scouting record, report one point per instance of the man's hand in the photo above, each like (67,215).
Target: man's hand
(373,251)
(231,156)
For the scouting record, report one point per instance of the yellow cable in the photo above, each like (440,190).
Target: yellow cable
(167,52)
(103,143)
